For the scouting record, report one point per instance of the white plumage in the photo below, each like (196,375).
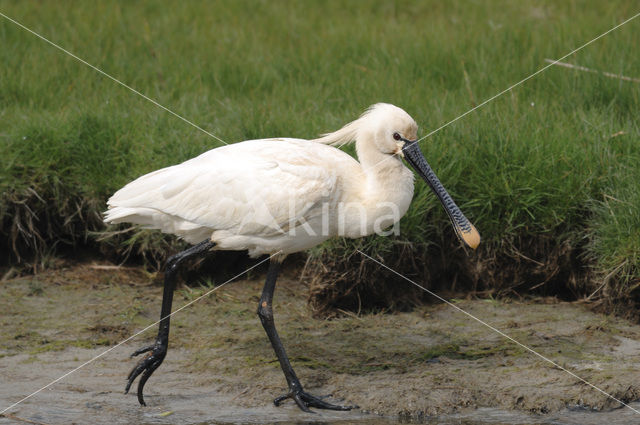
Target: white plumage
(273,195)
(278,196)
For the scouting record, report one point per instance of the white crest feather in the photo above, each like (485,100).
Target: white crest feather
(348,133)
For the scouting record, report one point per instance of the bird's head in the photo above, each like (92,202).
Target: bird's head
(388,130)
(393,132)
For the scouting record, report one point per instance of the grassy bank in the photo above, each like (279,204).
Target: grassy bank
(547,172)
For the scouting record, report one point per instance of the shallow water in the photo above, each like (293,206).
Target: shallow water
(195,412)
(482,416)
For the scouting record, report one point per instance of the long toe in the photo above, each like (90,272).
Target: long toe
(143,380)
(143,350)
(145,367)
(305,400)
(318,403)
(137,370)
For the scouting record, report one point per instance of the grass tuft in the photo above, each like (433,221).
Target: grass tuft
(547,172)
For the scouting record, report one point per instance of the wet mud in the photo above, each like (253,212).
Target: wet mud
(431,365)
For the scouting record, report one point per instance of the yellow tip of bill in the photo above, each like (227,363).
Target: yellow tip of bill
(471,238)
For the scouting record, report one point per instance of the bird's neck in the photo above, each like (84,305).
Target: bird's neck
(383,172)
(388,187)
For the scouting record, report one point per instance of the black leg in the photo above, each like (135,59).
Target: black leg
(265,312)
(158,350)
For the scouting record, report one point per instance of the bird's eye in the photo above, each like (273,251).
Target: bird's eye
(396,136)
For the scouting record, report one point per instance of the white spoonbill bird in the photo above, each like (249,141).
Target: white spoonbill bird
(276,197)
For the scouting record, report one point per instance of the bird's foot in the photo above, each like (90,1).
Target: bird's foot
(305,400)
(146,366)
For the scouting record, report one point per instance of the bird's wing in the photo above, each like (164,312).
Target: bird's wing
(260,188)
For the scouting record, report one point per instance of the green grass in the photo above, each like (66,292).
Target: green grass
(541,168)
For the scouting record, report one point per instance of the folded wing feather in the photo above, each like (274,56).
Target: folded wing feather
(258,188)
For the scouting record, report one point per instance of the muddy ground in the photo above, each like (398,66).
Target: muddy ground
(431,362)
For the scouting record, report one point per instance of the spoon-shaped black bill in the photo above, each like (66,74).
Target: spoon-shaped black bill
(465,231)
